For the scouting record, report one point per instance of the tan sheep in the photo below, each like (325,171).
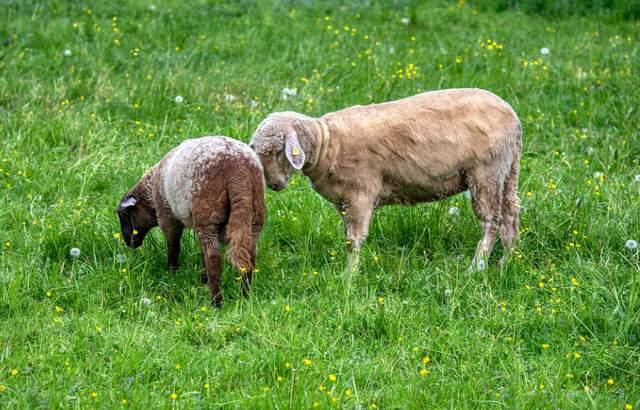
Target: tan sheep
(417,149)
(214,185)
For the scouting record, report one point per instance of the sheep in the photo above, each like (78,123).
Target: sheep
(421,148)
(214,185)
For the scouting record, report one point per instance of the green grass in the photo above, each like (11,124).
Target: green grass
(547,331)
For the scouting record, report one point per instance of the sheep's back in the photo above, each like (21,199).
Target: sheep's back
(426,136)
(203,167)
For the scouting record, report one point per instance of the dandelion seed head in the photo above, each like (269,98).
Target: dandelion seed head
(67,52)
(637,178)
(631,244)
(454,210)
(287,93)
(404,20)
(74,252)
(145,301)
(120,258)
(544,51)
(179,99)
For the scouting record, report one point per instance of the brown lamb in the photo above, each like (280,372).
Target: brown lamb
(417,149)
(214,185)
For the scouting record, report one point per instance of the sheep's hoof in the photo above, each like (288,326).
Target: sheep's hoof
(477,266)
(217,303)
(204,279)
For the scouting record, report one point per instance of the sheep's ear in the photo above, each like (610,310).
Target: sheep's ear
(293,151)
(128,202)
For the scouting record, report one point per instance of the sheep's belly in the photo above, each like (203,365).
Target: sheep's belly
(413,194)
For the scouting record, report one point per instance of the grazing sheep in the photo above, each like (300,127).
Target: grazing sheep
(418,149)
(213,185)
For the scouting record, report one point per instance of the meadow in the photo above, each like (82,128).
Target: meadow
(94,93)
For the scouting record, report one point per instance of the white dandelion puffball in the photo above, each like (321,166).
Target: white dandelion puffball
(229,98)
(631,244)
(74,252)
(152,7)
(67,53)
(447,293)
(178,99)
(145,301)
(120,258)
(392,50)
(637,178)
(454,210)
(404,20)
(288,93)
(480,265)
(254,104)
(544,51)
(598,174)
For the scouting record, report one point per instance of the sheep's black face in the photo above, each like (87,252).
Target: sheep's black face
(135,221)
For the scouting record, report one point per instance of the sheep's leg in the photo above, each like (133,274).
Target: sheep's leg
(356,217)
(248,275)
(487,205)
(210,245)
(510,211)
(172,232)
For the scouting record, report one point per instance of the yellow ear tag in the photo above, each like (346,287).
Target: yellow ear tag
(295,151)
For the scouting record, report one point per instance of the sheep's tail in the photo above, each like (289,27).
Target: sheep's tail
(244,225)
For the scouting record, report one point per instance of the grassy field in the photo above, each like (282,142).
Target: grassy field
(91,96)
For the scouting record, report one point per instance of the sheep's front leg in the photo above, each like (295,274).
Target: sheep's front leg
(356,217)
(172,232)
(210,245)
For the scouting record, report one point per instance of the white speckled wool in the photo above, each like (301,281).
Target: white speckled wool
(180,169)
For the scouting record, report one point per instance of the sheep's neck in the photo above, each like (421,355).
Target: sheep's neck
(318,141)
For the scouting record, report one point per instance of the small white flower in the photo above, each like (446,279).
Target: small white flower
(447,293)
(74,252)
(288,92)
(544,51)
(598,174)
(120,258)
(254,104)
(229,98)
(152,7)
(145,301)
(454,210)
(179,99)
(392,50)
(67,53)
(404,20)
(631,244)
(590,151)
(637,178)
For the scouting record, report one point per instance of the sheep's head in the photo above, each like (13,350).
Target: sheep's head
(137,217)
(277,144)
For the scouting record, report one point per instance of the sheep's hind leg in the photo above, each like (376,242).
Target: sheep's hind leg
(487,205)
(210,245)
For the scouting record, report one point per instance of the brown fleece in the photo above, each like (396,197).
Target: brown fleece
(212,184)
